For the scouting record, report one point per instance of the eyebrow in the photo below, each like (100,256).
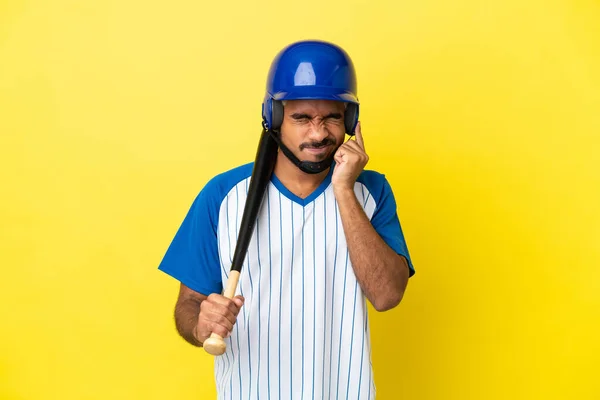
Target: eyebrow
(300,116)
(304,115)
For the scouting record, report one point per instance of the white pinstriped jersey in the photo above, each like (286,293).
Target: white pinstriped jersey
(303,332)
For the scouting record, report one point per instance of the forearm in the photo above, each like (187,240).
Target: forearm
(186,319)
(380,271)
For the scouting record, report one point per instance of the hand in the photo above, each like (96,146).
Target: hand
(350,159)
(218,314)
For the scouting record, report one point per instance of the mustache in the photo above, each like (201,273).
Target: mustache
(317,145)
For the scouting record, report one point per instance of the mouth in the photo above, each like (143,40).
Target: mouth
(317,150)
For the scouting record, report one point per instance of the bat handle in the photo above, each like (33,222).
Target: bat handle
(215,344)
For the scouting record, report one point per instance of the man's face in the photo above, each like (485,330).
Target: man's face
(313,129)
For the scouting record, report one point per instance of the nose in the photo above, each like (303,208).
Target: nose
(317,131)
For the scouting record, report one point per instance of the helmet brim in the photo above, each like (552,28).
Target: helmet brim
(316,93)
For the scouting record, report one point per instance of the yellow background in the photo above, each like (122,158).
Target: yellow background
(484,115)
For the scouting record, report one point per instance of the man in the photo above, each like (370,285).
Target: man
(327,240)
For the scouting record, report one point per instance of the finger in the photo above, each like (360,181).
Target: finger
(209,327)
(219,319)
(224,301)
(354,152)
(338,157)
(359,136)
(239,301)
(207,308)
(343,152)
(354,147)
(350,147)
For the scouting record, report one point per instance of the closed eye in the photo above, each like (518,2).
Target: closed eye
(335,116)
(303,116)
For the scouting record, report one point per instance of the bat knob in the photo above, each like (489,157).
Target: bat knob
(214,345)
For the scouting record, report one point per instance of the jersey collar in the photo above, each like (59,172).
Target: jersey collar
(311,197)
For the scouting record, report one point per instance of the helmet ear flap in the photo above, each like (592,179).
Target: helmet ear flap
(276,114)
(351,118)
(272,111)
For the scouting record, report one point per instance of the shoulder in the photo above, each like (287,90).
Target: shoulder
(375,182)
(220,185)
(371,177)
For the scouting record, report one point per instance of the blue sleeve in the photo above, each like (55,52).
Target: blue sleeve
(385,219)
(192,257)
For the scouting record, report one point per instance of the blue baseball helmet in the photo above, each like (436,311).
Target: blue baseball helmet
(315,70)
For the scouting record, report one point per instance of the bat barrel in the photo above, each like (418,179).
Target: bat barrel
(266,155)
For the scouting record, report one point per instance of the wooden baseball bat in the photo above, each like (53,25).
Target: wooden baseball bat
(264,162)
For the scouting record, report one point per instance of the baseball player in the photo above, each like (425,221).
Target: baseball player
(327,240)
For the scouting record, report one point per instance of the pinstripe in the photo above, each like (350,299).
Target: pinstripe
(221,251)
(370,362)
(237,327)
(363,330)
(236,238)
(270,289)
(292,304)
(226,362)
(218,374)
(239,346)
(237,335)
(280,286)
(341,330)
(325,288)
(228,227)
(222,374)
(360,373)
(258,293)
(365,200)
(248,331)
(248,315)
(362,349)
(218,369)
(314,342)
(229,253)
(332,298)
(222,371)
(351,341)
(303,293)
(228,356)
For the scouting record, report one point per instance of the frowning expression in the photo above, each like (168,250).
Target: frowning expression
(313,129)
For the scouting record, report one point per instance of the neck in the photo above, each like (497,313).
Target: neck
(296,181)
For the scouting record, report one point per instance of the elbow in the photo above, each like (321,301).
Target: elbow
(393,295)
(390,297)
(389,302)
